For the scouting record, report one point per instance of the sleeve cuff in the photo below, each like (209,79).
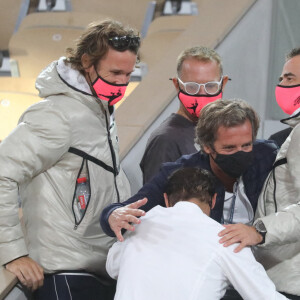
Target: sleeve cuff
(104,218)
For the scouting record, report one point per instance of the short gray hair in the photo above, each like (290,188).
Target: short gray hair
(227,113)
(200,53)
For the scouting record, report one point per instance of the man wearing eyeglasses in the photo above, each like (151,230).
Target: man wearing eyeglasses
(199,81)
(63,160)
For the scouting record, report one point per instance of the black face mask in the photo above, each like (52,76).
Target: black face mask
(234,164)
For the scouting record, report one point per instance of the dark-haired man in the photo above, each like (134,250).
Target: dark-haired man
(226,131)
(175,253)
(290,78)
(68,135)
(278,212)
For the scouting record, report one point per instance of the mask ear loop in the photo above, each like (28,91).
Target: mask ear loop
(92,88)
(213,149)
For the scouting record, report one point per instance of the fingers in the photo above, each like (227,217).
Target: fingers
(21,278)
(123,225)
(130,215)
(229,239)
(233,233)
(228,228)
(227,233)
(119,235)
(38,275)
(124,217)
(239,233)
(138,203)
(28,272)
(239,247)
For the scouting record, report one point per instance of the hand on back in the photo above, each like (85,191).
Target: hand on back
(123,217)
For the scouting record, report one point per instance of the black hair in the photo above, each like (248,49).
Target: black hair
(190,182)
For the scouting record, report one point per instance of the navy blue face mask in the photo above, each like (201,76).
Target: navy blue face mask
(234,164)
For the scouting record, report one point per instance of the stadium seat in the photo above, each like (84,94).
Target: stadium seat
(9,14)
(131,12)
(60,19)
(35,48)
(16,95)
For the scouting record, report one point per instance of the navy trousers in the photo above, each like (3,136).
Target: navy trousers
(74,287)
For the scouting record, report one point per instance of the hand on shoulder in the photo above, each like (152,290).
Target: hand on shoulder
(239,233)
(122,217)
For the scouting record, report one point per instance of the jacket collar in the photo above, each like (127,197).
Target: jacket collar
(293,120)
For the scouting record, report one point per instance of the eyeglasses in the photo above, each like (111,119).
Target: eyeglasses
(122,43)
(192,88)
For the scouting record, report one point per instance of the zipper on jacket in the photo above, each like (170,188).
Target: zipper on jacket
(113,156)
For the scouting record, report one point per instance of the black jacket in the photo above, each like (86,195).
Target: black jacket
(264,153)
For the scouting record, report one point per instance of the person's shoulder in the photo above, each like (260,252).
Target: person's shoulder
(212,229)
(197,159)
(280,136)
(213,225)
(162,133)
(261,146)
(154,215)
(46,110)
(282,133)
(171,125)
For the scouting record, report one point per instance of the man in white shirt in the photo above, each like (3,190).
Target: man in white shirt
(175,252)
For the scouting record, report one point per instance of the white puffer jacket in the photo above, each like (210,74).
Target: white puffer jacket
(56,141)
(279,209)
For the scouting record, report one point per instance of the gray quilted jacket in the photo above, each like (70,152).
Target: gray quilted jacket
(279,209)
(67,135)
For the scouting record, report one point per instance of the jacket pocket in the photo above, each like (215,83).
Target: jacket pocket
(82,193)
(77,210)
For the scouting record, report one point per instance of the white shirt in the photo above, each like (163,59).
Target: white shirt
(242,211)
(175,254)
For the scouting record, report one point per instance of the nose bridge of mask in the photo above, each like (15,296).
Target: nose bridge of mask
(106,91)
(194,103)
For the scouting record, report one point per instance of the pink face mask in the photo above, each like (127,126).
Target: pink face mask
(194,103)
(288,97)
(107,91)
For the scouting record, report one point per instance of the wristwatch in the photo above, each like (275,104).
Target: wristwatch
(261,229)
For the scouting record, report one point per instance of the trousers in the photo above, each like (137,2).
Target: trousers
(74,286)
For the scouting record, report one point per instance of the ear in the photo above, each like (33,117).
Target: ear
(213,200)
(225,80)
(176,84)
(86,62)
(166,200)
(207,149)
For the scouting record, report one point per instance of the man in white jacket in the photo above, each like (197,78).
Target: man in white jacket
(175,252)
(278,210)
(69,135)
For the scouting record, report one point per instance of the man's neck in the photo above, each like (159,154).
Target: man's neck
(203,206)
(182,112)
(227,180)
